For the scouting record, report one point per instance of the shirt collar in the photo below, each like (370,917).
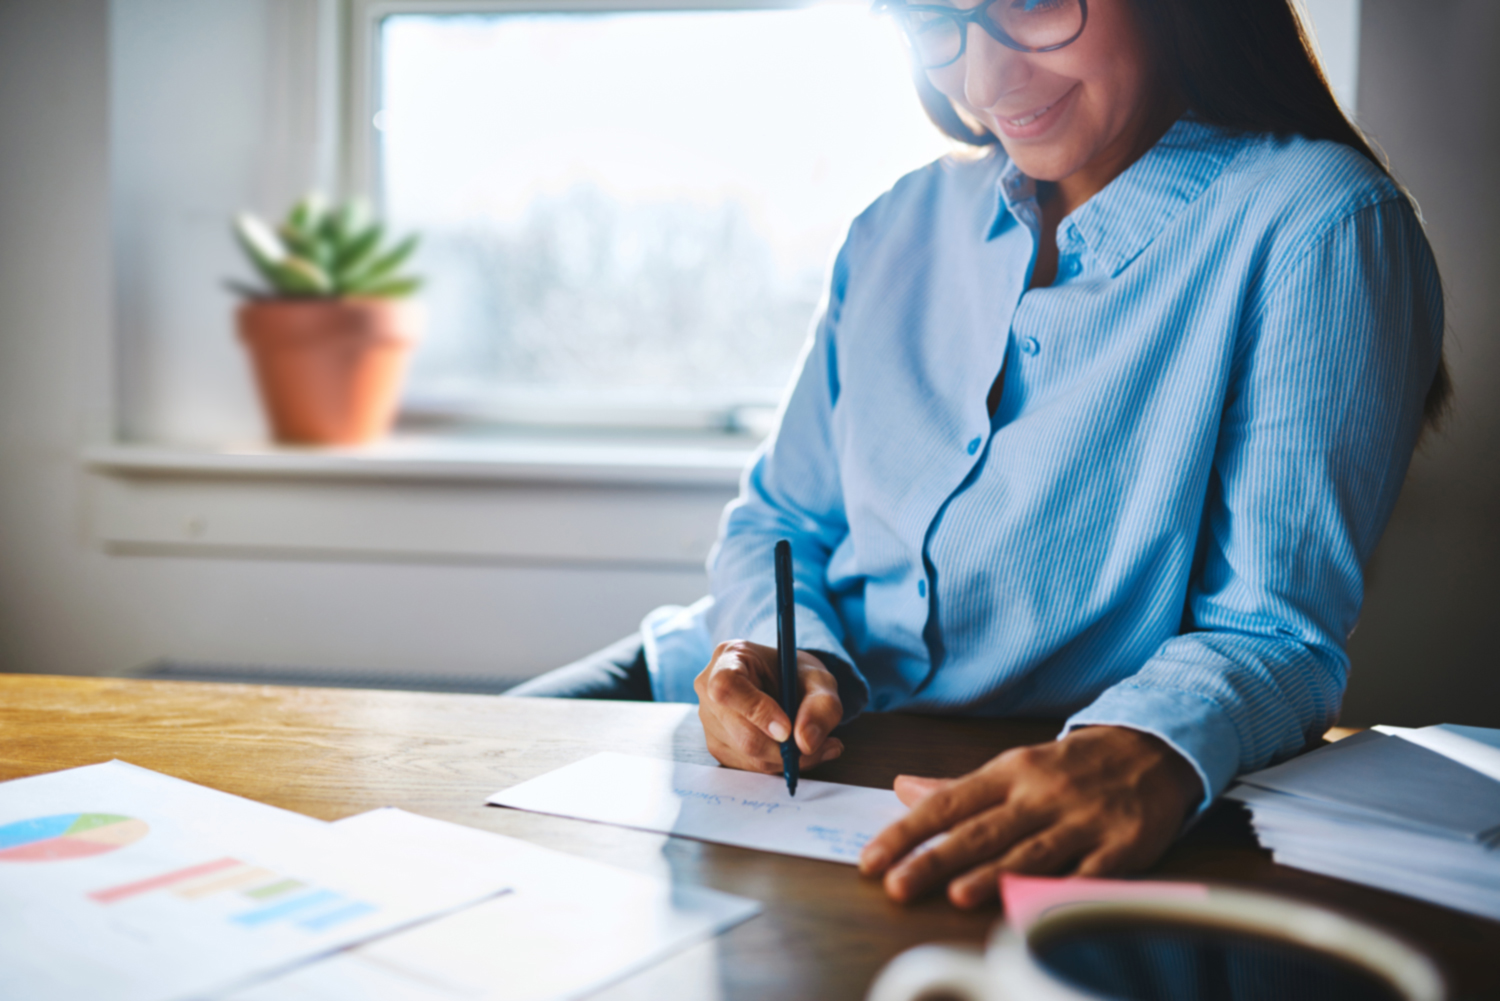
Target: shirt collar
(1121,221)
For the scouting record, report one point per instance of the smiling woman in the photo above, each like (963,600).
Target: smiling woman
(1102,423)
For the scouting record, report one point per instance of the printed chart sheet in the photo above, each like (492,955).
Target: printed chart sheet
(122,883)
(569,927)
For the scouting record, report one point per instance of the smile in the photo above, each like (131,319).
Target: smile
(1036,122)
(1030,117)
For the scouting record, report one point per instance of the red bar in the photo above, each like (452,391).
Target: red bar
(114,893)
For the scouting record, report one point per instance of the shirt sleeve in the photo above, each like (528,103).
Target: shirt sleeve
(1324,409)
(792,491)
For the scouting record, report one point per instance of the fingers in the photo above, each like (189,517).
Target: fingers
(737,693)
(821,709)
(941,810)
(736,744)
(912,789)
(743,721)
(989,835)
(1049,852)
(737,682)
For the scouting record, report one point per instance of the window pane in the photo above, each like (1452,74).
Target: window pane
(634,206)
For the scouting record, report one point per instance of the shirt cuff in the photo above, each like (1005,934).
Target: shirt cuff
(1192,725)
(814,636)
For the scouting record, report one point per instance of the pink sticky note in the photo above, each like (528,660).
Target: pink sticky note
(1026,898)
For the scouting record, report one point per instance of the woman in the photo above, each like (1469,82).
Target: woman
(1103,423)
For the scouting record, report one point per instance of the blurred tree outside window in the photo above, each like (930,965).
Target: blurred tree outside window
(630,217)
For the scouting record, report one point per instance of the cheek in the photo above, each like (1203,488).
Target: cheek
(949,82)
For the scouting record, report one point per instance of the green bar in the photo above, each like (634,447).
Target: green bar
(275,889)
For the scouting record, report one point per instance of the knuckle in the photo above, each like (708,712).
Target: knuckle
(738,649)
(720,687)
(943,802)
(1028,757)
(1039,847)
(988,829)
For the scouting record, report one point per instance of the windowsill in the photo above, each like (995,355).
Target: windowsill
(543,498)
(687,460)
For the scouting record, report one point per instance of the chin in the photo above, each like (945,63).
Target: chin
(1042,164)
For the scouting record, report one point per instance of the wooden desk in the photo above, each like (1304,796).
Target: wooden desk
(330,753)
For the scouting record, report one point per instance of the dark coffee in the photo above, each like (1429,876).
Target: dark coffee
(1169,961)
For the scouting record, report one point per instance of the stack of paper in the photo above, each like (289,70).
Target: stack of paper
(1411,811)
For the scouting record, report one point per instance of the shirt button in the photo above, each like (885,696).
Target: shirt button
(922,588)
(973,446)
(1029,346)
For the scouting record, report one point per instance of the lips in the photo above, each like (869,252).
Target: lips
(1030,117)
(1036,122)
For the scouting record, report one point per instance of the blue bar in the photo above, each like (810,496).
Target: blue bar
(277,911)
(349,912)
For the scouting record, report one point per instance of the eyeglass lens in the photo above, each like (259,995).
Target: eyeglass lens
(937,33)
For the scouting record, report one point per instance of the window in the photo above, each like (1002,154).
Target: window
(628,216)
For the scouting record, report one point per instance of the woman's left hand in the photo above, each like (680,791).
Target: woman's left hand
(1103,800)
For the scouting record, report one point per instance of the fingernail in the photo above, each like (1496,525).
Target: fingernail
(873,860)
(779,730)
(814,736)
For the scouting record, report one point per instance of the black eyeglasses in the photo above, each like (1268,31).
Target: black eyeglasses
(939,35)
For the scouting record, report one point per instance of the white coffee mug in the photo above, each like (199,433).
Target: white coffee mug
(1009,968)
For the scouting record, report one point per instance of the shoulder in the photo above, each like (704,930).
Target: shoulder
(954,187)
(1298,190)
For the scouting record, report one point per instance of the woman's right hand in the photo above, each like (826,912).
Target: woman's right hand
(743,719)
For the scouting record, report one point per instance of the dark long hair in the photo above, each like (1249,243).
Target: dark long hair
(1246,65)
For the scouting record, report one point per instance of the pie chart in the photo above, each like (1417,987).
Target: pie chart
(68,836)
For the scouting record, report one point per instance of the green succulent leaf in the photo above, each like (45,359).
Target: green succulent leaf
(303,277)
(390,288)
(304,244)
(257,239)
(307,214)
(353,256)
(386,264)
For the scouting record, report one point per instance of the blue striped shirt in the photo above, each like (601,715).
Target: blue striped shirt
(1204,425)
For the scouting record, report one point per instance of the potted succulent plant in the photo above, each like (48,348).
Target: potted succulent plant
(330,335)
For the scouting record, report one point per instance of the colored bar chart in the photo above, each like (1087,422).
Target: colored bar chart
(275,897)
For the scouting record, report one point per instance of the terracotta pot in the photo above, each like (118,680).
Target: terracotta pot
(329,370)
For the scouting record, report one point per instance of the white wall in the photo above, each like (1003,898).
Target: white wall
(216,107)
(1426,648)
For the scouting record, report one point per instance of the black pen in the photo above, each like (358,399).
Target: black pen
(786,652)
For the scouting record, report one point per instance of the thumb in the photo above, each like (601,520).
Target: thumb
(912,789)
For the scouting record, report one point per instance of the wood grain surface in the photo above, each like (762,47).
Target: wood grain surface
(331,753)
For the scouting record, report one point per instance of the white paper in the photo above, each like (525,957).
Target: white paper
(570,927)
(825,820)
(1390,819)
(192,891)
(1455,744)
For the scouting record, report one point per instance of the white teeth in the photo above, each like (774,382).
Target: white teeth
(1018,122)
